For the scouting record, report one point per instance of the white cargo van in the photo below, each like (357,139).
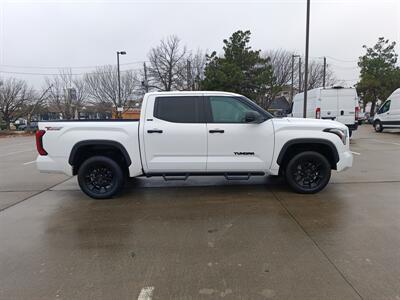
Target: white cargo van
(335,103)
(388,115)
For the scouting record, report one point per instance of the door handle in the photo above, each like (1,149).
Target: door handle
(216,131)
(154,131)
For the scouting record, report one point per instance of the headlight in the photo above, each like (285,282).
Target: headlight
(342,134)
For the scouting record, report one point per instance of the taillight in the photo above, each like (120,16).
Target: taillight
(357,113)
(39,142)
(318,113)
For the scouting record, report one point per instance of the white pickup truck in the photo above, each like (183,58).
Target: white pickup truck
(180,134)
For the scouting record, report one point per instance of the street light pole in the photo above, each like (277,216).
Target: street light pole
(306,62)
(119,82)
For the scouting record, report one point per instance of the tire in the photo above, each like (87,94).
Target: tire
(378,126)
(350,132)
(100,177)
(316,167)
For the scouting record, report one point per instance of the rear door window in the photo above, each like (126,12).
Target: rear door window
(180,109)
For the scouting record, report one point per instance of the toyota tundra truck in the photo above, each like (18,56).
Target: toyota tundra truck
(182,134)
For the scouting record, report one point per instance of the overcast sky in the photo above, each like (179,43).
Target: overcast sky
(51,34)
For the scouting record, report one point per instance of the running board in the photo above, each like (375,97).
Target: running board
(184,176)
(229,176)
(177,177)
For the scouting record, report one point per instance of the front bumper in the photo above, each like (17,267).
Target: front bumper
(345,161)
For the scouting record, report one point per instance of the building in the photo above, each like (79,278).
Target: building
(280,107)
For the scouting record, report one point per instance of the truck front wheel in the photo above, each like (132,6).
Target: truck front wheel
(378,126)
(308,172)
(100,177)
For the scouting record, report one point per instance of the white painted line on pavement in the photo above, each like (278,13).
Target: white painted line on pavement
(16,152)
(29,162)
(146,293)
(14,145)
(382,142)
(355,153)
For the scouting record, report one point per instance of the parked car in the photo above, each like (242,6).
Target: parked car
(336,103)
(194,133)
(362,118)
(33,126)
(388,115)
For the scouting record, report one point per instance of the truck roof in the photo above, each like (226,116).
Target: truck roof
(183,93)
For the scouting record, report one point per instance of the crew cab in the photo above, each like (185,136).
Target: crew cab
(180,134)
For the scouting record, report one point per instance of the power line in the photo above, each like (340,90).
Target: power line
(54,74)
(344,68)
(68,67)
(342,60)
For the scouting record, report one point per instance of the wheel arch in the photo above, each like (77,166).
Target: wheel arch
(322,146)
(85,149)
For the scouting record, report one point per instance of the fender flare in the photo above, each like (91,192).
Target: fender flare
(308,141)
(108,143)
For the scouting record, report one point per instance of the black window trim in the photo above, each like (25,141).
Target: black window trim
(200,113)
(244,100)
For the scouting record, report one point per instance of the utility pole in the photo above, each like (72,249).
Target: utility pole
(324,77)
(300,76)
(189,74)
(145,83)
(291,88)
(306,63)
(119,108)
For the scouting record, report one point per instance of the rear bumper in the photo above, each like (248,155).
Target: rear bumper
(345,161)
(47,164)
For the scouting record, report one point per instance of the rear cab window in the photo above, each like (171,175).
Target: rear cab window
(179,109)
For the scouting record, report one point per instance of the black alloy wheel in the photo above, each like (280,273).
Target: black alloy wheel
(100,177)
(308,172)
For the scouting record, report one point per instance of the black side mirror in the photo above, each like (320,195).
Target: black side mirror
(253,117)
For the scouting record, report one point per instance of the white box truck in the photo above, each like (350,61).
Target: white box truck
(334,103)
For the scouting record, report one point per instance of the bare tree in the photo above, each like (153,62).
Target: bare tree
(15,95)
(36,105)
(197,65)
(316,74)
(167,70)
(281,63)
(102,87)
(66,93)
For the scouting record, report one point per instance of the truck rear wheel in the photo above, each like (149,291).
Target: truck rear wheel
(100,177)
(308,172)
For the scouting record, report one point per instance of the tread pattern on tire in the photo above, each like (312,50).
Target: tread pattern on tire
(118,173)
(294,185)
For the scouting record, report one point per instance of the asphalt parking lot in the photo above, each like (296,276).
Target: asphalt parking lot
(205,238)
